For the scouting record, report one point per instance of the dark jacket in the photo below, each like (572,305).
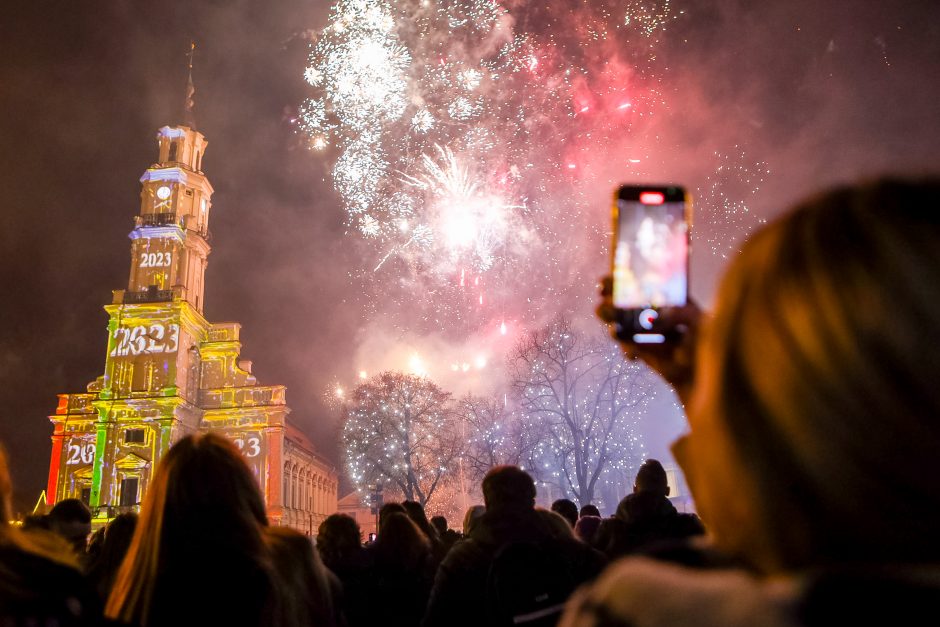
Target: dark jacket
(650,518)
(35,590)
(459,593)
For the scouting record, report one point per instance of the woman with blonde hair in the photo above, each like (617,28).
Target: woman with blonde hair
(198,555)
(814,407)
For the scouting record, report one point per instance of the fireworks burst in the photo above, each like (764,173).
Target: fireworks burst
(726,201)
(469,140)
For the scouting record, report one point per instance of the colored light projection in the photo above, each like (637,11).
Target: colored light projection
(169,372)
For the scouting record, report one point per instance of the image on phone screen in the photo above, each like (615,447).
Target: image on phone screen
(650,255)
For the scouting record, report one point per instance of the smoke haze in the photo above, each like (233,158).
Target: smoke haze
(786,98)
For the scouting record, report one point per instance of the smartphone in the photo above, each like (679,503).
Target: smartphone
(650,259)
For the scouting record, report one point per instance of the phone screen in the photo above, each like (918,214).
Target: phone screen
(651,252)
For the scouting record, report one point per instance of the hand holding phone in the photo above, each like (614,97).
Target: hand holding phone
(673,360)
(649,261)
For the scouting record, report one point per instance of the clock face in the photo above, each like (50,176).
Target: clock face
(163,192)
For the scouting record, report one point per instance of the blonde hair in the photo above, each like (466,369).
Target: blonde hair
(816,415)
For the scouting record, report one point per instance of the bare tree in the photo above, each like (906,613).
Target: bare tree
(581,400)
(400,430)
(493,436)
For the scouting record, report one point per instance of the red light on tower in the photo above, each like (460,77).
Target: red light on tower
(652,198)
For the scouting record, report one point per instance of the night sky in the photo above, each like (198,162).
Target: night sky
(822,92)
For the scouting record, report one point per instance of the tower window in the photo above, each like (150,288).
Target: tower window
(134,436)
(174,152)
(129,486)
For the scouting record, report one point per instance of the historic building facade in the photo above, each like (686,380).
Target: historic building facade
(170,372)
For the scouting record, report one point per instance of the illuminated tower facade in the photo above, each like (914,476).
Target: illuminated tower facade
(169,372)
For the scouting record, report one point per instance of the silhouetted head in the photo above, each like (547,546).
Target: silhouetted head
(557,524)
(470,518)
(651,477)
(115,541)
(401,544)
(440,524)
(567,509)
(338,538)
(202,517)
(586,528)
(303,582)
(71,519)
(814,416)
(589,510)
(390,508)
(508,487)
(416,513)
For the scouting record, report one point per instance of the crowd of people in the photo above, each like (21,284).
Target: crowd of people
(814,413)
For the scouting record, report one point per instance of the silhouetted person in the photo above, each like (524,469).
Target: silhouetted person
(40,582)
(114,544)
(339,543)
(612,538)
(448,537)
(308,591)
(589,510)
(71,519)
(418,516)
(403,571)
(649,516)
(477,579)
(198,556)
(390,508)
(471,517)
(814,416)
(587,528)
(567,509)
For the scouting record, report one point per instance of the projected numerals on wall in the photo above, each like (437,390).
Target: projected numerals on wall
(146,340)
(249,446)
(81,453)
(155,260)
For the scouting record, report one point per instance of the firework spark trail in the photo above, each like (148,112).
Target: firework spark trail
(469,142)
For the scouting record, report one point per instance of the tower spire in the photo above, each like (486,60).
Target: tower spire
(189,118)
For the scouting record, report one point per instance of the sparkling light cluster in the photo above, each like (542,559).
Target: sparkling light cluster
(474,144)
(467,141)
(726,199)
(580,404)
(400,433)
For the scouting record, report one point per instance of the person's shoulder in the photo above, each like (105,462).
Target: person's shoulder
(39,587)
(648,592)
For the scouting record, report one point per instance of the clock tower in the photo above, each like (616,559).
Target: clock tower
(169,372)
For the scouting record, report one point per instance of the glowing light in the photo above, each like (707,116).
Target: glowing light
(480,362)
(463,154)
(416,366)
(652,198)
(502,328)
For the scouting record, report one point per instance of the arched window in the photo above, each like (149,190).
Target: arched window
(310,493)
(285,498)
(293,491)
